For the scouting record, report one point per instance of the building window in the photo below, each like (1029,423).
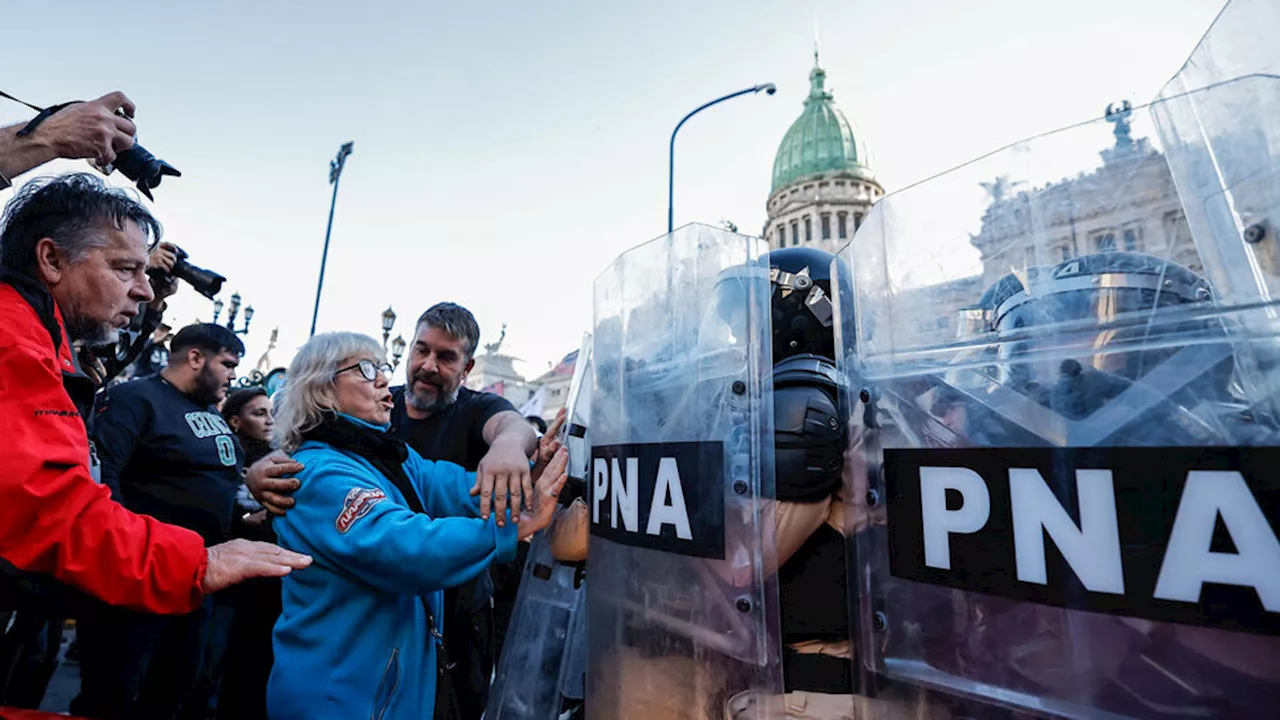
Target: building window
(839,183)
(1064,253)
(808,229)
(1105,241)
(795,232)
(1131,239)
(782,235)
(857,221)
(842,229)
(826,226)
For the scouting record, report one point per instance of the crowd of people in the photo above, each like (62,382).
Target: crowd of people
(330,551)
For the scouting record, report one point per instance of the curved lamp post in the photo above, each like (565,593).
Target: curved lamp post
(768,88)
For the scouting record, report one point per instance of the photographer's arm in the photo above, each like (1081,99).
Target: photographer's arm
(89,130)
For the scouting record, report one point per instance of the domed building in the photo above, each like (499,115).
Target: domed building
(822,187)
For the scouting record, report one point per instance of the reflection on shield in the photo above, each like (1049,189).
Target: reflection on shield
(1076,474)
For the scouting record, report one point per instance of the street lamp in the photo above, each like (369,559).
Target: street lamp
(397,351)
(768,88)
(335,173)
(217,310)
(232,311)
(388,322)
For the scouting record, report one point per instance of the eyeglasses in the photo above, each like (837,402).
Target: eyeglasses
(369,369)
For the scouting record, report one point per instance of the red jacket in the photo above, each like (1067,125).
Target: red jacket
(54,519)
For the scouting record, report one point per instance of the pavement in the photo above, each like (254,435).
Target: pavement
(65,684)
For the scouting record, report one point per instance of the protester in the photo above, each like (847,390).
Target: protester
(73,256)
(441,419)
(248,412)
(169,455)
(391,529)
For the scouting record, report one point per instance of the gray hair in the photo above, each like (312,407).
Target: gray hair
(455,320)
(309,390)
(72,210)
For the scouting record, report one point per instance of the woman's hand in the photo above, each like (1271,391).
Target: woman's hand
(548,445)
(538,514)
(569,534)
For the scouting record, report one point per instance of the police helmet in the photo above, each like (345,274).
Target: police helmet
(1113,316)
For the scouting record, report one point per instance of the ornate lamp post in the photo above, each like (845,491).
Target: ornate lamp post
(388,322)
(397,351)
(232,311)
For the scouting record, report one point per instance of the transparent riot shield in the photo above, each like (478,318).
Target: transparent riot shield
(682,607)
(543,660)
(1067,352)
(573,432)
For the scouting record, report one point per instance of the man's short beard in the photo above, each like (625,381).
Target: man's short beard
(206,389)
(423,405)
(91,333)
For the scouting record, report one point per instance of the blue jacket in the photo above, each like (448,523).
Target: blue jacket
(352,641)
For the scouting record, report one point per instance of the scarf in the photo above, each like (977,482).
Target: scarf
(385,453)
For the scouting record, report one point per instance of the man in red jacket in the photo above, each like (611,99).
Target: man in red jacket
(73,258)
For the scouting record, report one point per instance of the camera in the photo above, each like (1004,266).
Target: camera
(206,282)
(146,170)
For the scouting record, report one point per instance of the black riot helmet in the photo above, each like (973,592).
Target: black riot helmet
(1112,328)
(800,278)
(809,422)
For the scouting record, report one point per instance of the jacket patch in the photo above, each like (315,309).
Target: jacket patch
(358,503)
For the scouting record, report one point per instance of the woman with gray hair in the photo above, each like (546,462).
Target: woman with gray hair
(359,635)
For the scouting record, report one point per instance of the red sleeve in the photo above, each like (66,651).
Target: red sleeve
(55,519)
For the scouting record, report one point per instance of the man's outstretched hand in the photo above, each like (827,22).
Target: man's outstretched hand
(239,560)
(266,481)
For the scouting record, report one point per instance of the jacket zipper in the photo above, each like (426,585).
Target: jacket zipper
(389,683)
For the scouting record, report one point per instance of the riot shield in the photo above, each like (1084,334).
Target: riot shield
(543,660)
(682,611)
(1073,502)
(573,432)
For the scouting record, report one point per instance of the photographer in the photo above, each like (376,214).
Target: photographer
(89,130)
(73,260)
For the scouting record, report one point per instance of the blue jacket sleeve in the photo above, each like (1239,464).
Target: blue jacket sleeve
(346,520)
(445,488)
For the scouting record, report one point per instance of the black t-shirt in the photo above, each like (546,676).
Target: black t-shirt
(457,436)
(165,456)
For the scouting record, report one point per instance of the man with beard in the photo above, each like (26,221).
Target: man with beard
(167,453)
(482,432)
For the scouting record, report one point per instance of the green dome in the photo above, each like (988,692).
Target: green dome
(819,141)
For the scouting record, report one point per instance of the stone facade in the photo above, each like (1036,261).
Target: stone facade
(1129,203)
(822,211)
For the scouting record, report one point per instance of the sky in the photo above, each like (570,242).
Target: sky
(507,152)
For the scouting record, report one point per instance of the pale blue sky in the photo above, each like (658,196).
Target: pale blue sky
(506,152)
